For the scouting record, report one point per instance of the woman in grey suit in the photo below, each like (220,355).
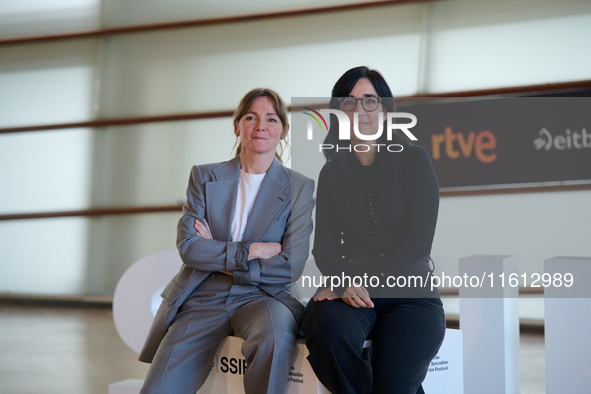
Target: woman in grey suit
(244,240)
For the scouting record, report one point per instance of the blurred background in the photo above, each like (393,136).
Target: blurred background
(106,104)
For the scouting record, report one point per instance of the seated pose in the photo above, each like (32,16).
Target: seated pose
(244,240)
(376,211)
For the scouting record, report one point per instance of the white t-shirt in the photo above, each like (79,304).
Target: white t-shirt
(247,192)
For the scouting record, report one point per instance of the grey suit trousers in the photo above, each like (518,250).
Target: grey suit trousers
(215,310)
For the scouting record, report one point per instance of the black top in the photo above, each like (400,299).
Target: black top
(385,211)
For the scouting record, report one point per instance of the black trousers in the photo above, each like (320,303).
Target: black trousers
(406,334)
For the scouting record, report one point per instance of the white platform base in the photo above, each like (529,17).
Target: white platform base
(228,370)
(445,374)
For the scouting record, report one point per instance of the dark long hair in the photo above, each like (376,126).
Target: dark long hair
(340,158)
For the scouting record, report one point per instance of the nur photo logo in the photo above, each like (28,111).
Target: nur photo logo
(344,129)
(310,133)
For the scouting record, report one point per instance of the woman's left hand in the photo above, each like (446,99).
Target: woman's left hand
(357,297)
(202,229)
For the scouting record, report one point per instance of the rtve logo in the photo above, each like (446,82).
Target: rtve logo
(345,129)
(480,144)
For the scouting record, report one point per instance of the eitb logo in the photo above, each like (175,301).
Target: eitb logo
(345,129)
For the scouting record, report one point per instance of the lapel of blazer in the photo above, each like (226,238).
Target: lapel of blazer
(274,194)
(221,198)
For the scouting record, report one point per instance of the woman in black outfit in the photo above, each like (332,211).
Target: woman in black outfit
(376,210)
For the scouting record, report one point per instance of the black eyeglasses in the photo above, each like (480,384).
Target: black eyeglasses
(369,103)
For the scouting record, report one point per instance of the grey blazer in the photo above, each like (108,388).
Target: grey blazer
(282,212)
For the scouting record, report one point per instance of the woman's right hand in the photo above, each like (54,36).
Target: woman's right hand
(263,250)
(326,294)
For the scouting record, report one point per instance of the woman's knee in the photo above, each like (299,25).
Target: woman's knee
(336,316)
(270,343)
(276,331)
(328,330)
